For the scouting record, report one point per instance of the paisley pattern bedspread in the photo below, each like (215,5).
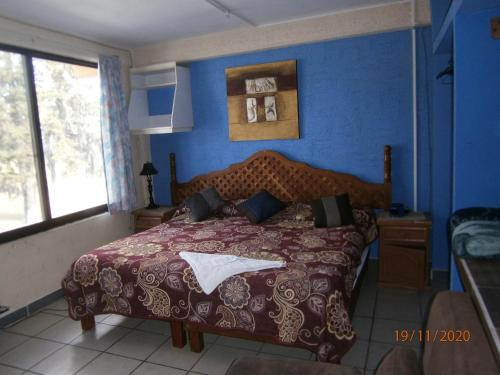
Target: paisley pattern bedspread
(304,304)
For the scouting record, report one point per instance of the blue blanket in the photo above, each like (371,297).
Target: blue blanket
(477,238)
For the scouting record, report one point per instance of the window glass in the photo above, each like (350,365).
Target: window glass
(68,106)
(19,188)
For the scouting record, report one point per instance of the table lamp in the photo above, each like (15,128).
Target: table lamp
(149,170)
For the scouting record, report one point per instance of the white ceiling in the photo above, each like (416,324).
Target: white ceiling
(133,23)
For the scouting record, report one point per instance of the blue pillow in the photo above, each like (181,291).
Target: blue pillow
(260,207)
(199,209)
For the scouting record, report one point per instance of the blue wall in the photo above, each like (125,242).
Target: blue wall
(161,100)
(354,97)
(441,155)
(477,111)
(441,134)
(434,145)
(476,132)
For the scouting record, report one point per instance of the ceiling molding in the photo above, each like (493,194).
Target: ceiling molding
(364,21)
(37,38)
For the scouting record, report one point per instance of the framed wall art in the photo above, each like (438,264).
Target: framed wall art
(262,101)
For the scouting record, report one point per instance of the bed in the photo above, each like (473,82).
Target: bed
(306,304)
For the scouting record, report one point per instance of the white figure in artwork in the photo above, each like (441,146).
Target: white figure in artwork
(270,108)
(252,109)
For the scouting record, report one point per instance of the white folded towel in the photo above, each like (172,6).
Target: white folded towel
(212,269)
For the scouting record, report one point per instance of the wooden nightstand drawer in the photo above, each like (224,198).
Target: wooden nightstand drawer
(149,218)
(147,222)
(406,235)
(404,250)
(402,266)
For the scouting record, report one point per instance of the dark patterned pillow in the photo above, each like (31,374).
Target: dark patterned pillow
(198,207)
(229,208)
(332,211)
(213,198)
(260,206)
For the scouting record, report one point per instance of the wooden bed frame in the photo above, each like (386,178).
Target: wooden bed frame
(288,180)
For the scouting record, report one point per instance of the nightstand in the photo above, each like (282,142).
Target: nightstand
(145,219)
(404,250)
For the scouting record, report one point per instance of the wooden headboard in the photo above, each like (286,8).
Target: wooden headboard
(288,180)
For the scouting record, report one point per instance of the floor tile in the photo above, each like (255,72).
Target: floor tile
(108,364)
(123,321)
(362,326)
(398,306)
(271,356)
(35,324)
(210,338)
(399,294)
(384,331)
(364,307)
(240,343)
(68,360)
(217,359)
(29,353)
(152,369)
(398,311)
(356,356)
(426,297)
(368,291)
(4,370)
(286,351)
(64,331)
(155,326)
(99,318)
(101,337)
(375,353)
(167,355)
(440,284)
(10,340)
(137,344)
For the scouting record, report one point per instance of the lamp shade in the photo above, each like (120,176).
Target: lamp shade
(148,169)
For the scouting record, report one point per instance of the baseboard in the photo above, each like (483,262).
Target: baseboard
(437,274)
(8,318)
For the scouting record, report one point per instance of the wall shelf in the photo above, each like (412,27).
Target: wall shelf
(178,118)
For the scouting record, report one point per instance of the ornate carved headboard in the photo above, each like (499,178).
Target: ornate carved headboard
(288,180)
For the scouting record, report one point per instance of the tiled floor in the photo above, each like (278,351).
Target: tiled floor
(51,343)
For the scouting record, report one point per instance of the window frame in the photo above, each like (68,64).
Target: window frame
(48,222)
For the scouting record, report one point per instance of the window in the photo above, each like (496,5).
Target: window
(51,165)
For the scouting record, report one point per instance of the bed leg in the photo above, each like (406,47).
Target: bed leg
(178,334)
(88,322)
(196,341)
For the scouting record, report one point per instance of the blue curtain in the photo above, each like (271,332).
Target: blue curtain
(116,137)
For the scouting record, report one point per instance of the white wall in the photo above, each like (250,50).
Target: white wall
(32,267)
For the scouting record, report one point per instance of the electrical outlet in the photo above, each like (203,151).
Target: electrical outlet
(495,27)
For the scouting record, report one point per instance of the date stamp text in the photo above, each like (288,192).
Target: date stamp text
(426,335)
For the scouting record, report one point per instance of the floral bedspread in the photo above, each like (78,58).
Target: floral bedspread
(304,304)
